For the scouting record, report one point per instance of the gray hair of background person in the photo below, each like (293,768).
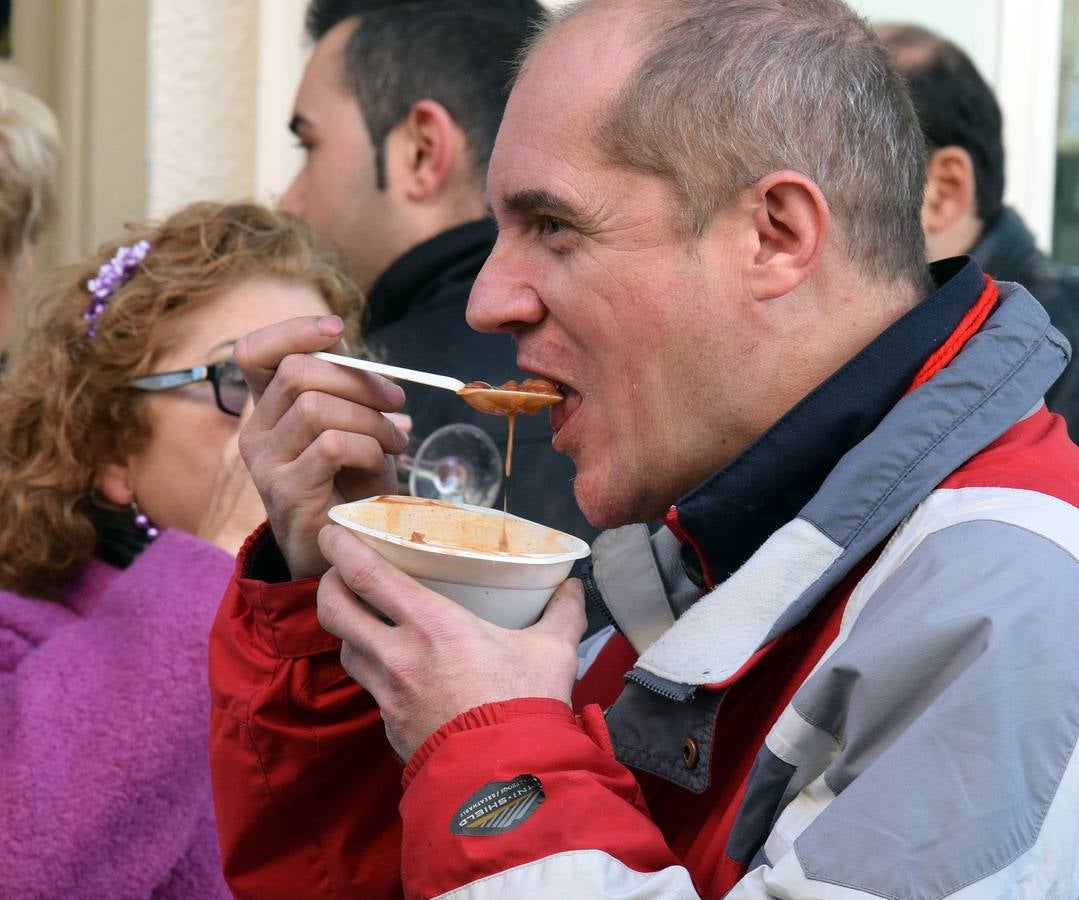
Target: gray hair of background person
(728,91)
(29,152)
(955,104)
(459,53)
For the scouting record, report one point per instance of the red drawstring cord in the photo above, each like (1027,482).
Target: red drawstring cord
(965,330)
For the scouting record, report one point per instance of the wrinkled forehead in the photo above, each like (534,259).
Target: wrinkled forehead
(565,87)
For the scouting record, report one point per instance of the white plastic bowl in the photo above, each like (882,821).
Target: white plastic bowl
(454,550)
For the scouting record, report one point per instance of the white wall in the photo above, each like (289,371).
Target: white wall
(202,115)
(223,74)
(282,51)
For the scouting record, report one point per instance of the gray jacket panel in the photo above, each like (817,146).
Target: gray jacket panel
(954,699)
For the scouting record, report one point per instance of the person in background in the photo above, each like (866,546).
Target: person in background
(29,153)
(964,209)
(844,667)
(123,501)
(397,112)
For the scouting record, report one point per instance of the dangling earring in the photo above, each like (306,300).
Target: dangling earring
(143,523)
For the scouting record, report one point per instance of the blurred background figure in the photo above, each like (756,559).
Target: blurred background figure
(964,210)
(123,501)
(397,113)
(29,153)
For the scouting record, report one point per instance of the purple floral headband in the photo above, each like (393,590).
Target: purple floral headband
(109,277)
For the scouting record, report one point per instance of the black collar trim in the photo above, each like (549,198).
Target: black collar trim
(727,517)
(421,272)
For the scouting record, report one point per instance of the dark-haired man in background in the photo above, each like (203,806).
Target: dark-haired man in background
(397,112)
(964,209)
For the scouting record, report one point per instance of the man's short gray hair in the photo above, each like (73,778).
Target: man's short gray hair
(29,152)
(728,91)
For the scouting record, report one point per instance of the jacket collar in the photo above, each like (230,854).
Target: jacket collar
(998,378)
(724,520)
(1006,250)
(420,273)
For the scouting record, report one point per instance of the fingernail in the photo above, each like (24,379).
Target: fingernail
(331,326)
(393,393)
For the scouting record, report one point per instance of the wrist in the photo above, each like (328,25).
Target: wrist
(303,566)
(302,557)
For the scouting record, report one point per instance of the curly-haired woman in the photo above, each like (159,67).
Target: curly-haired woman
(122,504)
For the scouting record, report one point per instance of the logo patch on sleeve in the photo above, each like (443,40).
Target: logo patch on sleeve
(498,807)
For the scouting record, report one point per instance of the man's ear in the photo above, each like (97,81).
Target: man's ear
(949,189)
(423,151)
(115,484)
(791,221)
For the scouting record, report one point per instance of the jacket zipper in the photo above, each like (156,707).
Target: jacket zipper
(649,683)
(592,593)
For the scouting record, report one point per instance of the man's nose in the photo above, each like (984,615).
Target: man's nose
(505,296)
(503,299)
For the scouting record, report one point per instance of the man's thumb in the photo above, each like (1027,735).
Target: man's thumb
(564,614)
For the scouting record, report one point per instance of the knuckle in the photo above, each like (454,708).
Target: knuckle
(309,407)
(372,452)
(363,452)
(331,445)
(326,611)
(398,672)
(362,575)
(351,659)
(292,372)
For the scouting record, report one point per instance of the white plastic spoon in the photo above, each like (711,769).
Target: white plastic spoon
(489,400)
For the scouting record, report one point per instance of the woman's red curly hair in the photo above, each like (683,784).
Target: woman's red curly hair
(66,408)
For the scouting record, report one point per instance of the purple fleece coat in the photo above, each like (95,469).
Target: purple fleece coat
(104,704)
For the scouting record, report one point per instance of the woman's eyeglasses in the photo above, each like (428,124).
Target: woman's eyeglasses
(230,389)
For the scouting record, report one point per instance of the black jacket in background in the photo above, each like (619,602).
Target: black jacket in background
(416,319)
(1007,252)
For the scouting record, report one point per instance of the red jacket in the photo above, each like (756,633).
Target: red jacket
(307,790)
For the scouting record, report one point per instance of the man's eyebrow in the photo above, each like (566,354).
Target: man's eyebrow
(540,203)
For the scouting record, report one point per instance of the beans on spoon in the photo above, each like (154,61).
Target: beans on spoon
(530,396)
